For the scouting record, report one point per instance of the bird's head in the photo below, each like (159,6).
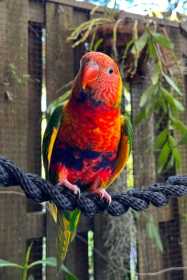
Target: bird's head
(99,78)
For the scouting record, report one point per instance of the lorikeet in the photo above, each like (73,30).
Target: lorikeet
(86,142)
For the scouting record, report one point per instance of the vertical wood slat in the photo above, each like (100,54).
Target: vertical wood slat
(13,98)
(112,240)
(16,135)
(144,174)
(180,42)
(15,228)
(59,68)
(34,96)
(13,124)
(34,102)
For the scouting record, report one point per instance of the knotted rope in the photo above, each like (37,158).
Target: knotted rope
(40,190)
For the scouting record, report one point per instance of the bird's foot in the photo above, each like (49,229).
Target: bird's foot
(74,188)
(103,195)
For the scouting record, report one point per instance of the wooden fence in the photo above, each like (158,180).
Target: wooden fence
(23,26)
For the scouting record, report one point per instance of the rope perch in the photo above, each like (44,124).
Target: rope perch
(40,190)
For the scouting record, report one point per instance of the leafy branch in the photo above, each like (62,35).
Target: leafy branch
(162,96)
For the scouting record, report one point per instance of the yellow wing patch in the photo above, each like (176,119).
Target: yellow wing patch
(51,207)
(123,153)
(51,144)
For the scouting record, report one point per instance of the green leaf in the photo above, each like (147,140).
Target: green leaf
(139,44)
(68,274)
(172,141)
(50,261)
(175,151)
(97,44)
(179,125)
(162,40)
(5,263)
(150,91)
(164,156)
(177,157)
(161,138)
(162,104)
(173,102)
(28,254)
(140,116)
(153,233)
(145,112)
(151,49)
(183,139)
(156,74)
(178,105)
(75,215)
(172,84)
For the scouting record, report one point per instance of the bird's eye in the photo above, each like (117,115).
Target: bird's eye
(110,70)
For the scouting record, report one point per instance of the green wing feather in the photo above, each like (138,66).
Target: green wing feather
(128,130)
(125,147)
(54,117)
(67,221)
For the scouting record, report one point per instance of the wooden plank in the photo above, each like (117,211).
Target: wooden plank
(34,101)
(149,257)
(19,138)
(34,96)
(77,258)
(36,11)
(36,223)
(12,231)
(112,241)
(75,4)
(180,43)
(15,228)
(14,105)
(59,67)
(19,101)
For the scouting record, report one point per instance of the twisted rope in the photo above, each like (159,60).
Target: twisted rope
(40,190)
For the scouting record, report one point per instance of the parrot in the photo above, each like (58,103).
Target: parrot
(87,140)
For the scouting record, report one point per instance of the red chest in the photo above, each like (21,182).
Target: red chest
(88,127)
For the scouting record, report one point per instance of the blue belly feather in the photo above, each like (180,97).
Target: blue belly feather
(73,157)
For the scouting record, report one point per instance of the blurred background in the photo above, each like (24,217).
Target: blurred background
(41,43)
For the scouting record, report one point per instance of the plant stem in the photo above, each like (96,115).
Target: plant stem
(25,273)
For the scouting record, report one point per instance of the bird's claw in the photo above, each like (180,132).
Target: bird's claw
(73,188)
(104,195)
(76,190)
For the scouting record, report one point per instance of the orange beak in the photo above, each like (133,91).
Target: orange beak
(89,74)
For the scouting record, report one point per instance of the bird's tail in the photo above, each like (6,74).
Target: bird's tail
(67,223)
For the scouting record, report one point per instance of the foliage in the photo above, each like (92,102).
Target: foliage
(163,94)
(153,232)
(161,97)
(26,266)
